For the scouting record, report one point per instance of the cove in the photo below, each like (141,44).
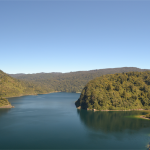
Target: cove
(51,121)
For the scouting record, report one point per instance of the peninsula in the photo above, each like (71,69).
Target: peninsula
(4,103)
(120,91)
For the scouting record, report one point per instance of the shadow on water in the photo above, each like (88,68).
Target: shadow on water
(113,121)
(4,111)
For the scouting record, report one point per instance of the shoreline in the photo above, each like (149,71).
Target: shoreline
(32,94)
(142,117)
(7,106)
(112,110)
(139,116)
(10,106)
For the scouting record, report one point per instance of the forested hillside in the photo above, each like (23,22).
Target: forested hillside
(41,83)
(4,103)
(69,82)
(10,86)
(120,91)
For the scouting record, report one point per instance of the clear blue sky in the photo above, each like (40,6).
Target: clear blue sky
(64,36)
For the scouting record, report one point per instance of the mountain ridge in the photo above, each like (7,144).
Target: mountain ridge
(41,83)
(19,74)
(73,81)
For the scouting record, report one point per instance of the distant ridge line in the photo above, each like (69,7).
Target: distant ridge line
(77,71)
(39,83)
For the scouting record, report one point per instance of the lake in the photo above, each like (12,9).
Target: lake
(51,121)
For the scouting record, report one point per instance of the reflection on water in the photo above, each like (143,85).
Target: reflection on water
(113,121)
(51,121)
(4,111)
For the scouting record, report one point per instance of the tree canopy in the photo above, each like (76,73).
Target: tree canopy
(10,86)
(120,91)
(41,83)
(69,82)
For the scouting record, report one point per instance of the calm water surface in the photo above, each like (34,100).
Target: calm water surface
(51,121)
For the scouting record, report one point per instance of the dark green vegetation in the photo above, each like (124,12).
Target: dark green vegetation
(147,115)
(10,86)
(120,91)
(40,83)
(4,102)
(69,82)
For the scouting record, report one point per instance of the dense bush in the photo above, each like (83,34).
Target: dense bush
(10,86)
(4,102)
(72,81)
(147,115)
(117,91)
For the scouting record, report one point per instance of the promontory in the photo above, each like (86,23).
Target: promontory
(120,91)
(4,103)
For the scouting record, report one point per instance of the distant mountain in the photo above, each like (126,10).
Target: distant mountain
(16,75)
(40,83)
(72,81)
(21,75)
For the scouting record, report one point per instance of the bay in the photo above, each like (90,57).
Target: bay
(51,121)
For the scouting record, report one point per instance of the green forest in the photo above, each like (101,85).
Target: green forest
(120,91)
(10,87)
(69,82)
(13,85)
(4,102)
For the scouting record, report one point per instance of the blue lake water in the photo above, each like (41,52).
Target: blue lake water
(51,121)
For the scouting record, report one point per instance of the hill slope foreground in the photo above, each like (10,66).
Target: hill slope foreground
(120,91)
(10,87)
